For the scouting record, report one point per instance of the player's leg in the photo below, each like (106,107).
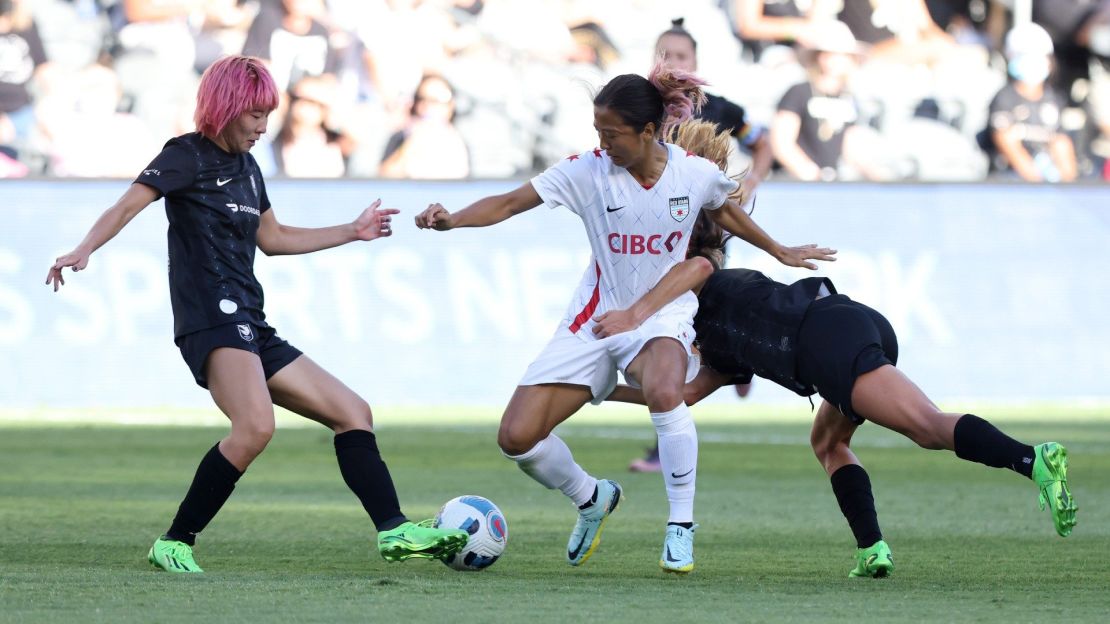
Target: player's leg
(830,439)
(236,381)
(526,437)
(660,367)
(887,397)
(305,388)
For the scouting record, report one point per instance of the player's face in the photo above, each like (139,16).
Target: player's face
(624,145)
(678,52)
(244,131)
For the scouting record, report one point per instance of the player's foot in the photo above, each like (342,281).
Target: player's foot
(874,561)
(647,463)
(420,540)
(1050,473)
(172,556)
(591,519)
(678,550)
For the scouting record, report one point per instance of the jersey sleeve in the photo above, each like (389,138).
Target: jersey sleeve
(1001,110)
(172,170)
(568,183)
(718,187)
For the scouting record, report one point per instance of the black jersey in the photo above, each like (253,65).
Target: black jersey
(729,117)
(213,201)
(747,321)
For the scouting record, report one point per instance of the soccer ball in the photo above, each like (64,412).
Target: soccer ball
(487,528)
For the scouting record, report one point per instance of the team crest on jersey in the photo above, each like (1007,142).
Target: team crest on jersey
(680,208)
(245,331)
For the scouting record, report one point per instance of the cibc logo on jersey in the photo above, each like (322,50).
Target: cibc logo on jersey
(636,244)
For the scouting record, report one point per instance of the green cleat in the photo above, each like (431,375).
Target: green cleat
(1050,473)
(420,540)
(874,562)
(173,556)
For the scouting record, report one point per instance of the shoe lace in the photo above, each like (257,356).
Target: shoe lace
(182,552)
(428,523)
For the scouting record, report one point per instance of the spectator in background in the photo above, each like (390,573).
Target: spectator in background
(898,31)
(155,60)
(22,58)
(306,147)
(678,49)
(761,24)
(429,146)
(1025,115)
(223,29)
(815,132)
(1080,30)
(91,136)
(295,44)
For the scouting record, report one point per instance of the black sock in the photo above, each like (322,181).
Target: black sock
(852,489)
(212,485)
(979,441)
(366,474)
(685,525)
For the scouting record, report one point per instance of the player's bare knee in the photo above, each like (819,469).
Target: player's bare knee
(514,438)
(664,399)
(925,428)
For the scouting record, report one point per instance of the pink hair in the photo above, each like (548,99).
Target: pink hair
(230,87)
(681,93)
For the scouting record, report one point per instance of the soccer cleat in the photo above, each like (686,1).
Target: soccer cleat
(678,550)
(874,561)
(173,556)
(587,530)
(420,541)
(1050,473)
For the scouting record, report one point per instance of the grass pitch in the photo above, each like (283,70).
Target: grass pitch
(81,504)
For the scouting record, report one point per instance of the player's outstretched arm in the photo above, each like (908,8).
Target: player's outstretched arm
(276,239)
(137,197)
(733,219)
(687,275)
(485,211)
(706,383)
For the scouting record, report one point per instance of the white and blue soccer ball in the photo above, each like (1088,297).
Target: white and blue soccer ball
(487,528)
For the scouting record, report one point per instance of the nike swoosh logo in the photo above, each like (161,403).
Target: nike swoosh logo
(573,554)
(679,476)
(669,557)
(222,182)
(608,209)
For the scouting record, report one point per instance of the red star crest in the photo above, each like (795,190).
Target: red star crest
(597,152)
(572,157)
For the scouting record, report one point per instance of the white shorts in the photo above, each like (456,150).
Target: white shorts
(570,359)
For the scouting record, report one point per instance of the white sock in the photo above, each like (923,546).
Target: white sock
(678,457)
(551,463)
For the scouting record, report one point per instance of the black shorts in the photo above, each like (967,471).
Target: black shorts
(839,340)
(263,341)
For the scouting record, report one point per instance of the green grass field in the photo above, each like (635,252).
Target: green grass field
(81,503)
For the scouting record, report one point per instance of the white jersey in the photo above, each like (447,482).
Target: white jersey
(636,233)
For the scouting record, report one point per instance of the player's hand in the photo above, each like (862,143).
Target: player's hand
(798,256)
(435,217)
(374,222)
(76,259)
(614,322)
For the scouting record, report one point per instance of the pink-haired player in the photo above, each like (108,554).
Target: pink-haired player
(219,213)
(638,198)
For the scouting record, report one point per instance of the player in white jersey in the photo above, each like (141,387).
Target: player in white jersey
(638,199)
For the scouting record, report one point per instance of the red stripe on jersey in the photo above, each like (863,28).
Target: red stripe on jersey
(588,311)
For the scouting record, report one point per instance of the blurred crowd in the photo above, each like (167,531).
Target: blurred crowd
(840,89)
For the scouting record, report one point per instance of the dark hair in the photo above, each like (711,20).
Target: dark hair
(5,7)
(666,98)
(678,30)
(707,239)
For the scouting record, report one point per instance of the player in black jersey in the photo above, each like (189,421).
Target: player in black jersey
(811,340)
(219,214)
